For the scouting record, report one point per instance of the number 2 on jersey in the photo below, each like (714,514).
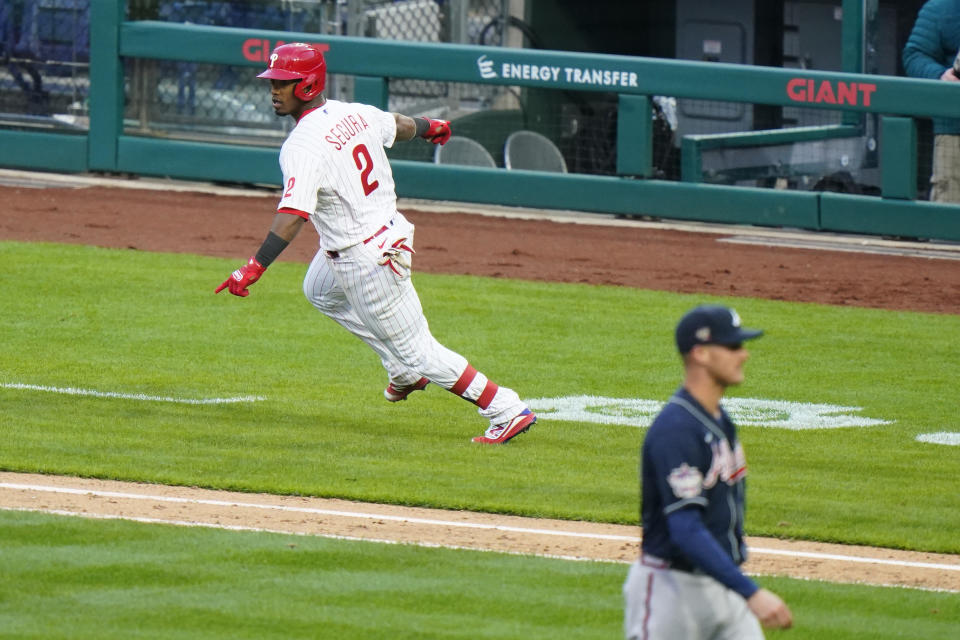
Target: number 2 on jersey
(365,164)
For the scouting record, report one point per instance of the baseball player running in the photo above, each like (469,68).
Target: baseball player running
(687,582)
(337,175)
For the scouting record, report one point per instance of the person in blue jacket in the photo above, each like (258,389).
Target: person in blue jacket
(931,52)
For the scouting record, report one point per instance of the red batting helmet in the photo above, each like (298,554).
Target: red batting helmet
(299,61)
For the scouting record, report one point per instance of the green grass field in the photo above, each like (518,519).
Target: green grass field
(79,579)
(128,322)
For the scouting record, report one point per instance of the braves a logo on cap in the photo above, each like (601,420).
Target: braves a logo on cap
(734,318)
(686,481)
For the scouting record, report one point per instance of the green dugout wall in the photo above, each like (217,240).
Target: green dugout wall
(106,147)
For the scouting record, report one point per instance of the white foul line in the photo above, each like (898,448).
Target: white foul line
(332,536)
(449,523)
(833,556)
(315,511)
(127,396)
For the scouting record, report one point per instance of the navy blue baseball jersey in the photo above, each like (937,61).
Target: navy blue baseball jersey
(692,460)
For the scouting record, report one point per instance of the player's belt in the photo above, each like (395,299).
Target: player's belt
(654,561)
(676,564)
(333,255)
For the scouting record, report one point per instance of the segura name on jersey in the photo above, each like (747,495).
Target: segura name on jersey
(347,128)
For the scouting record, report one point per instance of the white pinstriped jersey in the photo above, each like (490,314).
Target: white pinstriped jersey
(335,168)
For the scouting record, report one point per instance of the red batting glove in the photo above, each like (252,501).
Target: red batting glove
(439,131)
(242,278)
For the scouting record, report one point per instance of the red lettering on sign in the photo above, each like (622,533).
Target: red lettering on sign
(250,49)
(257,50)
(825,94)
(847,92)
(794,90)
(852,93)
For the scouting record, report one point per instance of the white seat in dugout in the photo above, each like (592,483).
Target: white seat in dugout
(463,151)
(533,151)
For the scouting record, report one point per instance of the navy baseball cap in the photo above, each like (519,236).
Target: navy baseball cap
(711,324)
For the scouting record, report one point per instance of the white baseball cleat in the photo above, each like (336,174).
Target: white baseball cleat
(503,432)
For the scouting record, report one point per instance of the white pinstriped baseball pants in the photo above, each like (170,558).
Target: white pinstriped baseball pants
(383,309)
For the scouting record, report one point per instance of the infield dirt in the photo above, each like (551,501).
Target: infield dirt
(716,260)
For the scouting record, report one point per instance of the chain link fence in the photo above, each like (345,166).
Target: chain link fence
(44,51)
(202,101)
(44,62)
(44,83)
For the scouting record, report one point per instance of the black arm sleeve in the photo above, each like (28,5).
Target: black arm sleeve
(422,125)
(272,247)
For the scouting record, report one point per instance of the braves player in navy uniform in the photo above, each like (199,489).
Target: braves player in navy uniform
(688,583)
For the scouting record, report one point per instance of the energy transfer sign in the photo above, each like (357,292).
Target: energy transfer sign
(553,74)
(636,412)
